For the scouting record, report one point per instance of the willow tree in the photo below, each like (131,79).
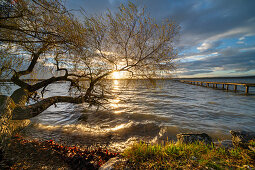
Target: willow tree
(44,32)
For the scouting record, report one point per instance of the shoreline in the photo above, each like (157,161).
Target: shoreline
(23,153)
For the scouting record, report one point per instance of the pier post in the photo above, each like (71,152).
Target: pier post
(225,85)
(246,89)
(235,88)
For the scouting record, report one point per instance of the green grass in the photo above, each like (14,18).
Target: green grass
(187,156)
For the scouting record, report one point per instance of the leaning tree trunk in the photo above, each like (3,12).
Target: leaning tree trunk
(7,106)
(15,114)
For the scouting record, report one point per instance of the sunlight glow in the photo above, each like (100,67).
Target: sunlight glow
(116,75)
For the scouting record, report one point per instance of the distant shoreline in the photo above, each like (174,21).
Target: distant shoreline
(242,77)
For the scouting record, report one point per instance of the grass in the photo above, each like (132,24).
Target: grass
(188,156)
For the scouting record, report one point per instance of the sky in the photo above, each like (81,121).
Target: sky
(217,37)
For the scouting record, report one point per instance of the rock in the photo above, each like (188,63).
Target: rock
(247,167)
(112,163)
(242,138)
(191,138)
(109,164)
(83,117)
(224,143)
(251,148)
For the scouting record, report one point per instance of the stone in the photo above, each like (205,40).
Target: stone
(242,138)
(191,138)
(109,165)
(251,148)
(224,143)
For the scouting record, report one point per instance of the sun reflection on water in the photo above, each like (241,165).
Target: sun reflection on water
(115,103)
(116,83)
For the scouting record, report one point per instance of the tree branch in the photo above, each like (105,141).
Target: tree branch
(16,77)
(27,112)
(46,82)
(12,17)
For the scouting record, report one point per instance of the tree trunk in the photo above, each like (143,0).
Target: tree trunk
(7,107)
(7,125)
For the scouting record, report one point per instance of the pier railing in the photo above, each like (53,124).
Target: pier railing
(224,85)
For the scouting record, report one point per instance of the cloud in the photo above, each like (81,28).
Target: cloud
(186,73)
(229,51)
(242,38)
(228,60)
(208,46)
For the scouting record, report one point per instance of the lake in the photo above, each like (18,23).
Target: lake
(152,112)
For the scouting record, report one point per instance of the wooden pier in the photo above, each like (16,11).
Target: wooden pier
(224,85)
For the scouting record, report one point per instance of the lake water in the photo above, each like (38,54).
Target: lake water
(151,112)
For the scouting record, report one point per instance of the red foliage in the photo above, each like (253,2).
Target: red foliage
(74,156)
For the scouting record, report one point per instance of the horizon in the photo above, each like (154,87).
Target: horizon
(234,77)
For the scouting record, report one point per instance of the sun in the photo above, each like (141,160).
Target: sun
(116,75)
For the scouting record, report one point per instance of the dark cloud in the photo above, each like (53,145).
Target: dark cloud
(238,62)
(198,18)
(93,6)
(187,73)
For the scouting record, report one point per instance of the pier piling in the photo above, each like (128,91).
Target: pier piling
(225,85)
(246,89)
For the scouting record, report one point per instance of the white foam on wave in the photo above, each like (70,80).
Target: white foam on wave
(84,128)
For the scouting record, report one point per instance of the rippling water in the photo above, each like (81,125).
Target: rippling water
(153,112)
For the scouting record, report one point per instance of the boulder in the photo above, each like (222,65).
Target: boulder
(191,138)
(242,138)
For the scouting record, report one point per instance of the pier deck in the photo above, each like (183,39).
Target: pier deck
(225,85)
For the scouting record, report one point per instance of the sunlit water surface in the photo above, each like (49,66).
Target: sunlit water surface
(151,112)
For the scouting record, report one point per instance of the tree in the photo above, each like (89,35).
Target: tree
(45,32)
